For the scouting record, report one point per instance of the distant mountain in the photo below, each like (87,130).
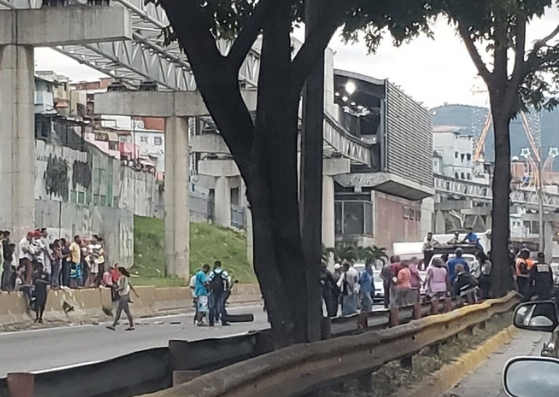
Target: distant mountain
(471,119)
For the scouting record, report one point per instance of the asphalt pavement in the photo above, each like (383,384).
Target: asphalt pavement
(486,380)
(56,348)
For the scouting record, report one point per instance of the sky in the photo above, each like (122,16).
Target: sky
(432,71)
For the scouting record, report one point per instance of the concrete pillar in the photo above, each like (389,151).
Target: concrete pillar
(328,212)
(222,201)
(17,137)
(177,215)
(331,168)
(548,233)
(440,222)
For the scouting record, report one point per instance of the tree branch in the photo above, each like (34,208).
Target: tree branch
(485,74)
(247,36)
(519,71)
(532,62)
(332,17)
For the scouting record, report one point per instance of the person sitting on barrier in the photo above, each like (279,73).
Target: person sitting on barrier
(403,285)
(349,288)
(465,285)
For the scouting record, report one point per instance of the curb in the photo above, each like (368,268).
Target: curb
(451,374)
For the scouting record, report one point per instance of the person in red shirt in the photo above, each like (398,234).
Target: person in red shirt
(114,273)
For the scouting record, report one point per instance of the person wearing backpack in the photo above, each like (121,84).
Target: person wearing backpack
(484,278)
(218,282)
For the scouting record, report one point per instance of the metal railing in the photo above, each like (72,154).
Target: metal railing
(301,369)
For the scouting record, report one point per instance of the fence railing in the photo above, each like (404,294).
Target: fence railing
(302,369)
(235,361)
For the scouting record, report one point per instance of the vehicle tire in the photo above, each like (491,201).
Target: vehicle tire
(240,318)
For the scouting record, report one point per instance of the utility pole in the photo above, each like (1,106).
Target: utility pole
(311,178)
(540,202)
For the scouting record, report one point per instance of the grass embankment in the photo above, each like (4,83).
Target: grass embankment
(208,243)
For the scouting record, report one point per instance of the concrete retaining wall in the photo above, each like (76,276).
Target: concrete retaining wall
(88,303)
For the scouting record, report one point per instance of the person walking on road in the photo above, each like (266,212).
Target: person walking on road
(437,281)
(123,289)
(386,276)
(201,290)
(218,284)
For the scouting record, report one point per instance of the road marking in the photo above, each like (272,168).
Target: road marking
(42,371)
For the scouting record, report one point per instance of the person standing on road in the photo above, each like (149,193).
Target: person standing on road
(403,285)
(7,268)
(26,251)
(541,280)
(330,292)
(41,282)
(437,281)
(457,260)
(201,290)
(349,289)
(386,276)
(218,284)
(123,289)
(415,281)
(523,272)
(76,272)
(367,288)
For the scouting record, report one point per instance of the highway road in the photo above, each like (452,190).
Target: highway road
(486,380)
(56,348)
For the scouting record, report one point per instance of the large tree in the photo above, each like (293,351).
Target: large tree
(517,75)
(265,147)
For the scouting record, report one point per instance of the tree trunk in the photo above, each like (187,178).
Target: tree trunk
(500,232)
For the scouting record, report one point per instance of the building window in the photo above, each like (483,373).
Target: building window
(455,155)
(469,157)
(468,176)
(158,141)
(456,175)
(113,146)
(462,157)
(143,139)
(462,176)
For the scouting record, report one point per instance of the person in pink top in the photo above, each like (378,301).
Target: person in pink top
(403,285)
(437,280)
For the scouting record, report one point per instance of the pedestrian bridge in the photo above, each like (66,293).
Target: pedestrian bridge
(468,190)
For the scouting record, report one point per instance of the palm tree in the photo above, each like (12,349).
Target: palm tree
(378,254)
(344,253)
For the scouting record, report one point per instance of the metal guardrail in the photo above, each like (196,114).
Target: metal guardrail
(301,369)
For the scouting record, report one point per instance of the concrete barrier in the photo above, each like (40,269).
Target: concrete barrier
(88,303)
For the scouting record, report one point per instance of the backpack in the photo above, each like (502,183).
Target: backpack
(218,283)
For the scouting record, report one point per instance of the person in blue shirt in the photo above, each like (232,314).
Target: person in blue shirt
(457,260)
(201,291)
(367,288)
(472,238)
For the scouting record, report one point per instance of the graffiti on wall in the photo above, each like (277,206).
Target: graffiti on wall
(81,174)
(126,241)
(56,177)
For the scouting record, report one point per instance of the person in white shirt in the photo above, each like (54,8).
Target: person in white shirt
(26,252)
(45,255)
(192,286)
(350,289)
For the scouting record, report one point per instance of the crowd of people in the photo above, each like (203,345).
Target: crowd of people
(37,264)
(210,291)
